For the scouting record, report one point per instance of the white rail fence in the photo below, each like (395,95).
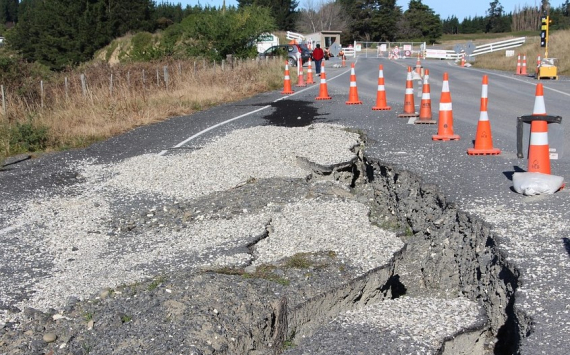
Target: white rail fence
(412,49)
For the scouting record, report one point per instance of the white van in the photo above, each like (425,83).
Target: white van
(265,41)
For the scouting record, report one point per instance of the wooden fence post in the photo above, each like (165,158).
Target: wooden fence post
(165,69)
(111,85)
(3,101)
(83,85)
(41,93)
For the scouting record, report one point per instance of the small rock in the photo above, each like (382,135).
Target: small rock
(104,294)
(90,324)
(49,337)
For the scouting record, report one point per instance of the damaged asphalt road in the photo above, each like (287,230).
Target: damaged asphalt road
(489,262)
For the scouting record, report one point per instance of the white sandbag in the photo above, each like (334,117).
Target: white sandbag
(530,184)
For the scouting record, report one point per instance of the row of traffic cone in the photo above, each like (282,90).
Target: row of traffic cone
(287,86)
(538,156)
(521,69)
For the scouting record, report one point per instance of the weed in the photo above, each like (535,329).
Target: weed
(156,282)
(125,318)
(88,316)
(299,261)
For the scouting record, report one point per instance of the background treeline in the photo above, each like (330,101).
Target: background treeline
(60,34)
(497,20)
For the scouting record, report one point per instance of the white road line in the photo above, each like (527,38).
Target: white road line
(241,116)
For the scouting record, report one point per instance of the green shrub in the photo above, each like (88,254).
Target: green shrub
(27,137)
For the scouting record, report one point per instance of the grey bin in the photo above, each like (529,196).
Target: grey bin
(556,142)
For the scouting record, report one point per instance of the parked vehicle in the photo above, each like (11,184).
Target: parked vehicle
(288,51)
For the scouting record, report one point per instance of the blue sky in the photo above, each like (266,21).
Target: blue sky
(445,8)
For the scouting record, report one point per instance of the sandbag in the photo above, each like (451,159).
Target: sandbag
(530,184)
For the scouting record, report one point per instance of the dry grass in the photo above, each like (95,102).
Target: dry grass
(558,47)
(139,95)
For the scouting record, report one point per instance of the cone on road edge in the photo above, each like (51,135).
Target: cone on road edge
(323,89)
(343,61)
(353,91)
(445,122)
(483,137)
(409,107)
(300,80)
(310,79)
(518,71)
(381,103)
(425,105)
(418,65)
(287,81)
(523,68)
(538,150)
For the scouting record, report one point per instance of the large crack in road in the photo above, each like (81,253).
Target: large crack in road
(400,269)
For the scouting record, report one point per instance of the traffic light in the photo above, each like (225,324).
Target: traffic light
(543,31)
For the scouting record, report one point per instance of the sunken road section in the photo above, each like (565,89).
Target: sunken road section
(302,254)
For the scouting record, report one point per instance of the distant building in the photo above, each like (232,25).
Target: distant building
(324,38)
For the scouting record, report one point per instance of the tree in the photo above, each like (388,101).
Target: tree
(60,33)
(214,34)
(450,25)
(371,20)
(419,22)
(322,16)
(283,11)
(8,11)
(495,19)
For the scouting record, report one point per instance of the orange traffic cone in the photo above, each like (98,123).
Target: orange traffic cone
(445,123)
(287,82)
(381,95)
(353,91)
(523,68)
(343,61)
(323,89)
(300,80)
(483,137)
(463,60)
(310,79)
(418,65)
(518,72)
(425,105)
(409,107)
(538,150)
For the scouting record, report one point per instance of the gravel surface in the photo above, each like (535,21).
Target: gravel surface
(202,251)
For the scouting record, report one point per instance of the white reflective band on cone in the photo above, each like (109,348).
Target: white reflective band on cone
(426,96)
(484,91)
(380,87)
(539,108)
(539,138)
(353,84)
(409,91)
(483,116)
(443,106)
(445,87)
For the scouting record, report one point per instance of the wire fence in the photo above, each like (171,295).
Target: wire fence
(113,82)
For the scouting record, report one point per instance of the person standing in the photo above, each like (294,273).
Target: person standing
(318,55)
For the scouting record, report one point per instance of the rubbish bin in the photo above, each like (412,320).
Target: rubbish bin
(555,135)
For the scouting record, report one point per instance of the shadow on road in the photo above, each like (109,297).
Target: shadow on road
(290,113)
